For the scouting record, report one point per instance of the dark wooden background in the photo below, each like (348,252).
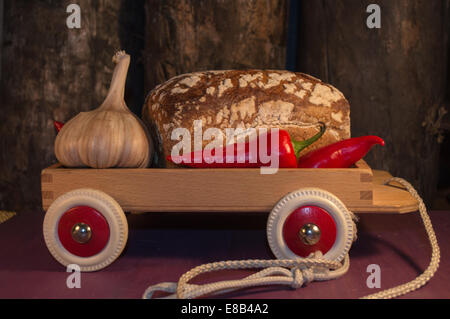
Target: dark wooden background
(396,78)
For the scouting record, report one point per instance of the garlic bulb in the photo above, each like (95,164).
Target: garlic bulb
(109,136)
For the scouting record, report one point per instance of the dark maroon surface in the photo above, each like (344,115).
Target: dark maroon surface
(161,247)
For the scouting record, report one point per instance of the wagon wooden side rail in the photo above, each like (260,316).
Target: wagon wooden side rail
(226,190)
(310,209)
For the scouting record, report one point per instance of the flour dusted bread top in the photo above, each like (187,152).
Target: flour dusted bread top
(251,98)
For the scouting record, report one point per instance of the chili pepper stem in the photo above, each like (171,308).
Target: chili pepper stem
(300,145)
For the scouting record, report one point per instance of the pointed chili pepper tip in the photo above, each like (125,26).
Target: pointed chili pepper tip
(58,125)
(376,140)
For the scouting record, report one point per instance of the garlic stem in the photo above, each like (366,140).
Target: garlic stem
(116,94)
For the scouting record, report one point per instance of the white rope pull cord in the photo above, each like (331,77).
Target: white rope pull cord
(275,273)
(299,273)
(435,251)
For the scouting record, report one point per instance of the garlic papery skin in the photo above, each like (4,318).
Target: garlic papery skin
(109,136)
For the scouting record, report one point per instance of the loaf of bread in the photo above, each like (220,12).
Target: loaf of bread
(292,101)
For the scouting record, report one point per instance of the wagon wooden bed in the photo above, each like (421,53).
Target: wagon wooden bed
(85,222)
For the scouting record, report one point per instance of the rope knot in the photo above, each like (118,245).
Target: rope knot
(301,277)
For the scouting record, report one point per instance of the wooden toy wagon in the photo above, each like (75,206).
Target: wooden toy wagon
(310,209)
(310,227)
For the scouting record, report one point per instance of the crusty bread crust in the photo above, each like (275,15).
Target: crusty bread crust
(250,98)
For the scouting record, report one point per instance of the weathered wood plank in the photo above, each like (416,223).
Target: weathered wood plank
(183,36)
(394,77)
(49,72)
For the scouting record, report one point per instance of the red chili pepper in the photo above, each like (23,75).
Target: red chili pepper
(58,125)
(288,152)
(342,154)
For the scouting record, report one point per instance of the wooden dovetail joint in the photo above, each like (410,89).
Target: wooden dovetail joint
(47,178)
(366,195)
(47,194)
(366,178)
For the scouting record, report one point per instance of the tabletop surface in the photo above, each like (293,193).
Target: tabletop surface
(161,247)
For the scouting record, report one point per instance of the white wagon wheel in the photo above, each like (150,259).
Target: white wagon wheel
(310,220)
(85,227)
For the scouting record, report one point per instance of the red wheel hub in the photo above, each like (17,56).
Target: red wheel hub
(98,227)
(309,215)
